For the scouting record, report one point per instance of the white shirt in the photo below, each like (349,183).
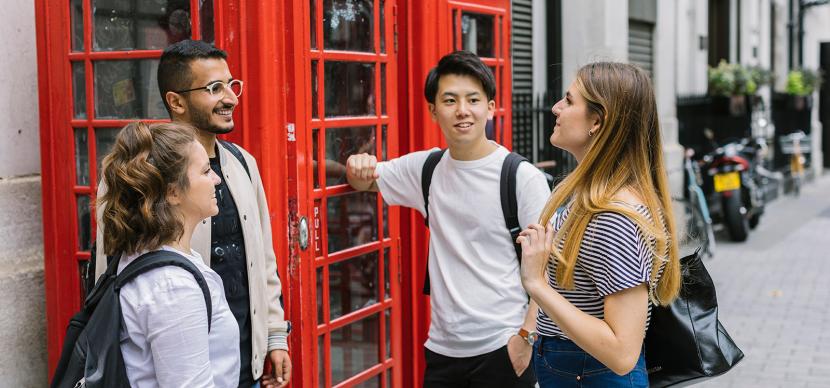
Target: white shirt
(164,336)
(476,293)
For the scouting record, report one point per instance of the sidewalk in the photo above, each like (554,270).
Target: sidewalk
(774,294)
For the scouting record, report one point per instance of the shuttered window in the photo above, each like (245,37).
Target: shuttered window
(641,44)
(522,51)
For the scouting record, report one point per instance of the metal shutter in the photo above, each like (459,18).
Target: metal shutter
(522,60)
(641,44)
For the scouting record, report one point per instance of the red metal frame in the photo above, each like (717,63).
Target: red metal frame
(426,23)
(62,255)
(315,199)
(268,46)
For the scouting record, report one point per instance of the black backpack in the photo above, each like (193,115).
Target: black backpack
(507,187)
(91,354)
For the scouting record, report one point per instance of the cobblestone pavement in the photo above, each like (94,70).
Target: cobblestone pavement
(774,294)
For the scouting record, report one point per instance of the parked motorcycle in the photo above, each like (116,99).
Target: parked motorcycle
(766,182)
(733,194)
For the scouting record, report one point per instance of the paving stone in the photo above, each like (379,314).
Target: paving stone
(773,294)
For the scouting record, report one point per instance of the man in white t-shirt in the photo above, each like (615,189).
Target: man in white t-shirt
(482,326)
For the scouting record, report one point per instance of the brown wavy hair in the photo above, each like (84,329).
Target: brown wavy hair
(146,161)
(626,151)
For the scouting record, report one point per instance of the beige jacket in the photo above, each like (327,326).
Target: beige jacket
(267,316)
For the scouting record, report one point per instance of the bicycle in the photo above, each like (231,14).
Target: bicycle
(796,145)
(697,229)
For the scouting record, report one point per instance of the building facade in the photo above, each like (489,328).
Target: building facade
(23,325)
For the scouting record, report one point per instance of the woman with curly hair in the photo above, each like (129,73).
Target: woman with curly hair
(159,186)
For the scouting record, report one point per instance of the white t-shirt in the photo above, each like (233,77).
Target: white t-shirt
(165,340)
(476,292)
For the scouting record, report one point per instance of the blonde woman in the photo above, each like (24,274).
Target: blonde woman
(607,252)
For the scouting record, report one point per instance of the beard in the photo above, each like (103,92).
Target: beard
(201,120)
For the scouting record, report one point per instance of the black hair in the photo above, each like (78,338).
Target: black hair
(174,66)
(460,63)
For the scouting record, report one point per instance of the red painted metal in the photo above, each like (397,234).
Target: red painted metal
(269,47)
(62,256)
(316,200)
(291,42)
(429,35)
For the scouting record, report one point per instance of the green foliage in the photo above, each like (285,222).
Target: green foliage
(730,79)
(721,80)
(803,82)
(760,76)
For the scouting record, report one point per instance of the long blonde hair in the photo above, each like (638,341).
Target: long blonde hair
(626,152)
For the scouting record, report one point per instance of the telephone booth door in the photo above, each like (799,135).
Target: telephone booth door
(97,64)
(347,67)
(483,28)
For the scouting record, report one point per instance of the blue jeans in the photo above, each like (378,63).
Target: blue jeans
(561,363)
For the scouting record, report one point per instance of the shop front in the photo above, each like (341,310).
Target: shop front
(323,79)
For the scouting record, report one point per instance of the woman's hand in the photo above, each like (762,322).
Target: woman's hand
(537,244)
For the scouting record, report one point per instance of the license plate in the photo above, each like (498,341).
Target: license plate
(727,182)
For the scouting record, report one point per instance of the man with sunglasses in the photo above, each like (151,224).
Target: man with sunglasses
(197,88)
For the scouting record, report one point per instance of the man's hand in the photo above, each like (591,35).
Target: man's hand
(520,353)
(360,171)
(280,370)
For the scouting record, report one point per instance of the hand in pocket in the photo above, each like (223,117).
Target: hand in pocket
(520,353)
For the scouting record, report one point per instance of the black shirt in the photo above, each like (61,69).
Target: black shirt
(227,258)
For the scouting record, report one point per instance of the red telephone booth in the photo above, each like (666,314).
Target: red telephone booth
(324,79)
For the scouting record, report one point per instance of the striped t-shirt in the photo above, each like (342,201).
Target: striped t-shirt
(614,256)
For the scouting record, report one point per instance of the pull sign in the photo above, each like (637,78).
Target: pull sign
(303,226)
(292,137)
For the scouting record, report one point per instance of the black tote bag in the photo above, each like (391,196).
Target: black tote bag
(685,342)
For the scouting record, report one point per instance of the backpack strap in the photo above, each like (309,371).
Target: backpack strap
(94,294)
(509,201)
(234,150)
(426,179)
(158,259)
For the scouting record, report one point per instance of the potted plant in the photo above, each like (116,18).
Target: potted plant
(733,81)
(801,83)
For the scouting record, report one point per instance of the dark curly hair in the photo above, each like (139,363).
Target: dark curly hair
(146,161)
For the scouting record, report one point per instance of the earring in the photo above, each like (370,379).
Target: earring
(590,134)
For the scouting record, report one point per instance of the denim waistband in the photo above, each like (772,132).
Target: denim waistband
(557,342)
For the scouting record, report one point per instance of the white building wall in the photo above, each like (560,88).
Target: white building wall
(665,89)
(592,30)
(22,300)
(781,54)
(691,18)
(540,47)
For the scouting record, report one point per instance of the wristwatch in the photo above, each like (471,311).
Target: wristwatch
(529,336)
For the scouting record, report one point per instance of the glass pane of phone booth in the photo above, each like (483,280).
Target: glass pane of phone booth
(352,94)
(108,93)
(481,31)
